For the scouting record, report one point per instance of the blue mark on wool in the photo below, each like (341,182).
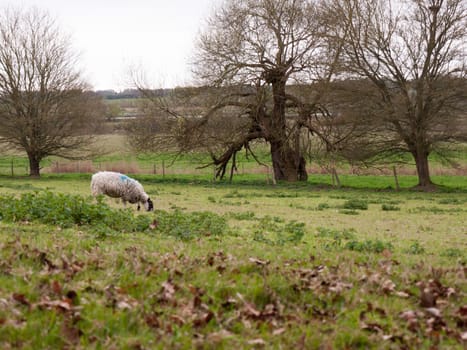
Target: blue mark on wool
(124,178)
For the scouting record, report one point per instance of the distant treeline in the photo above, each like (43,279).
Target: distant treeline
(129,93)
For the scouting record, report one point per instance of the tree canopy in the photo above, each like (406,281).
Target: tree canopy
(45,108)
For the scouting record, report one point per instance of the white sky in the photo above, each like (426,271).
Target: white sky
(113,35)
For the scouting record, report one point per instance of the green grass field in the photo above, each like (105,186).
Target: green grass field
(116,154)
(244,265)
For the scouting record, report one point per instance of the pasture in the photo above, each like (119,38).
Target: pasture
(242,265)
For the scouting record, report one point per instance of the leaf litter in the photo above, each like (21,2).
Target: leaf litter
(179,296)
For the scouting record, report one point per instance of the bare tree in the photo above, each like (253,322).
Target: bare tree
(45,109)
(248,54)
(413,62)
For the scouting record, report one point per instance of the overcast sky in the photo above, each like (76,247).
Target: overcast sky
(113,35)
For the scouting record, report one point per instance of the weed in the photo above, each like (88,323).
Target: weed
(272,231)
(384,201)
(247,215)
(452,253)
(356,204)
(348,212)
(335,238)
(187,226)
(235,194)
(415,249)
(390,207)
(346,234)
(322,206)
(68,210)
(434,210)
(452,201)
(283,195)
(369,246)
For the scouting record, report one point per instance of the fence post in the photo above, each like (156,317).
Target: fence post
(394,171)
(163,168)
(12,168)
(154,170)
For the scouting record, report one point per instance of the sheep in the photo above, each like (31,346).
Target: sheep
(118,185)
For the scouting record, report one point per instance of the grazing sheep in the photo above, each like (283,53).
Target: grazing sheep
(117,185)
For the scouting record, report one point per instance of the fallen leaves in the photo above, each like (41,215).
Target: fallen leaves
(217,298)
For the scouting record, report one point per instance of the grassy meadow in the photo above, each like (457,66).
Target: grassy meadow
(244,265)
(222,265)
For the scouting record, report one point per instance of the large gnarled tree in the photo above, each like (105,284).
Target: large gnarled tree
(247,58)
(44,108)
(252,50)
(411,58)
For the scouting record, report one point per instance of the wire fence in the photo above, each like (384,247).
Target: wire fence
(20,167)
(17,166)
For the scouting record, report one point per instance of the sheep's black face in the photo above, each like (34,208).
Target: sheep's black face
(150,205)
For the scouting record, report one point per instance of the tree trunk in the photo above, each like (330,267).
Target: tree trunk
(423,170)
(288,163)
(34,166)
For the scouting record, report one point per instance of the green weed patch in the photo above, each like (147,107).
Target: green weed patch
(66,210)
(356,204)
(187,226)
(275,231)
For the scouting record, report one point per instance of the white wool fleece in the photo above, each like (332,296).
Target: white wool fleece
(118,185)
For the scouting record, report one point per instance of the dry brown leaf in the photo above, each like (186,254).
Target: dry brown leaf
(21,298)
(278,331)
(71,332)
(427,297)
(56,287)
(219,336)
(258,341)
(61,304)
(401,294)
(178,320)
(154,224)
(259,261)
(433,311)
(123,305)
(251,310)
(388,286)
